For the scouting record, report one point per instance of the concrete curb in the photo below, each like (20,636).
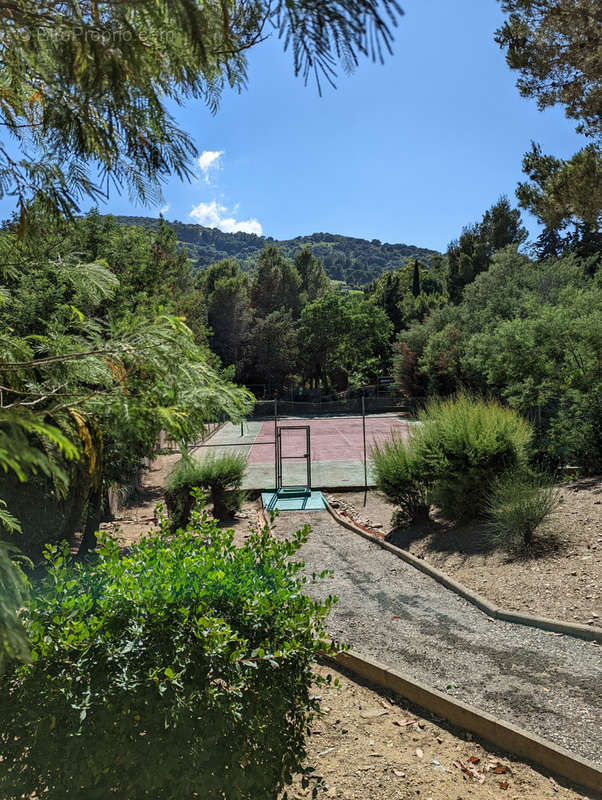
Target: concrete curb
(504,735)
(533,621)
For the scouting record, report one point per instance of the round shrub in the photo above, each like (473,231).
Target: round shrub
(466,443)
(517,506)
(219,475)
(399,474)
(182,670)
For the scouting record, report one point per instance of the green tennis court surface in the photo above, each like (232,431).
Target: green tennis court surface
(336,449)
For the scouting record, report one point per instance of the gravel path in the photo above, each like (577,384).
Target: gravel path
(550,685)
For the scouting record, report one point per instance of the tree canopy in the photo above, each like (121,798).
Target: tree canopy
(86,84)
(563,193)
(556,46)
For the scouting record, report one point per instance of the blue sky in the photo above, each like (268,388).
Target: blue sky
(405,152)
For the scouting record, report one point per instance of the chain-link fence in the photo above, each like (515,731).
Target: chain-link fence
(349,407)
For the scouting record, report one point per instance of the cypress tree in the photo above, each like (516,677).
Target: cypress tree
(416,279)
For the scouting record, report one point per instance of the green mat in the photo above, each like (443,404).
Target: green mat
(293,500)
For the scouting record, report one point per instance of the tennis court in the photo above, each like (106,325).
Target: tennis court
(336,448)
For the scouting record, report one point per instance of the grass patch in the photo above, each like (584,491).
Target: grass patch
(517,507)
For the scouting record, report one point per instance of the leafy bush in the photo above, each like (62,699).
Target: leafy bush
(182,670)
(517,506)
(220,475)
(465,443)
(575,433)
(400,477)
(14,591)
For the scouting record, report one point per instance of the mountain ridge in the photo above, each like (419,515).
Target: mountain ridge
(351,259)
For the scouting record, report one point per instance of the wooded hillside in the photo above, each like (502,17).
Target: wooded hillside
(345,258)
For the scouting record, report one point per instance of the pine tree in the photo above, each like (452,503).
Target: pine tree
(86,84)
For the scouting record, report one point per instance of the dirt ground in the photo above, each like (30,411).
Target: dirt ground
(561,579)
(373,746)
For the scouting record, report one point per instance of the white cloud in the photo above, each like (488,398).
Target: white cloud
(164,209)
(214,215)
(208,160)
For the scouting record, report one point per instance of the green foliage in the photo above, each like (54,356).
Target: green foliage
(272,351)
(181,670)
(220,475)
(228,313)
(575,432)
(93,367)
(276,284)
(528,333)
(471,254)
(555,46)
(314,281)
(400,476)
(517,506)
(14,593)
(562,193)
(465,443)
(341,335)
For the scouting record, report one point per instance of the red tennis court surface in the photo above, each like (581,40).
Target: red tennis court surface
(332,439)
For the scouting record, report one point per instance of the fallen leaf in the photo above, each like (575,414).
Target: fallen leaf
(474,760)
(403,723)
(398,773)
(469,772)
(504,785)
(419,753)
(499,770)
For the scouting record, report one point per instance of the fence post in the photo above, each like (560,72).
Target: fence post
(276,444)
(364,437)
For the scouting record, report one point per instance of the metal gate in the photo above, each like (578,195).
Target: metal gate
(288,444)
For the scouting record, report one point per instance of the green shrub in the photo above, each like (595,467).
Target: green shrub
(517,506)
(574,435)
(219,475)
(465,443)
(182,670)
(400,477)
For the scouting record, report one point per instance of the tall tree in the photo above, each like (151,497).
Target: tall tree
(556,46)
(416,279)
(276,284)
(471,254)
(321,327)
(228,311)
(314,281)
(271,352)
(563,193)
